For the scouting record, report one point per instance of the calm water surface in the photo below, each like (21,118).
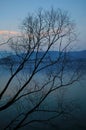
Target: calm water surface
(76,94)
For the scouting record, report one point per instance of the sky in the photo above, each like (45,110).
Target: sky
(13,12)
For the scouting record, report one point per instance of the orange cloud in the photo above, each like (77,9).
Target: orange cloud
(5,32)
(5,35)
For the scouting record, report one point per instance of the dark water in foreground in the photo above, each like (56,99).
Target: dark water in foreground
(74,97)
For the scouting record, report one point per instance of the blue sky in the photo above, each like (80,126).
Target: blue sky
(12,12)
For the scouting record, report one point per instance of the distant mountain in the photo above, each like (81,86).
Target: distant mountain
(6,57)
(78,54)
(4,54)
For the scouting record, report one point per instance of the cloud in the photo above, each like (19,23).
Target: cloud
(6,32)
(5,35)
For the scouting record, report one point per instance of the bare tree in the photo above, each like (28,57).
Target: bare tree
(32,54)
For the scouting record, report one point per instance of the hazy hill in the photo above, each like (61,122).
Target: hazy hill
(8,57)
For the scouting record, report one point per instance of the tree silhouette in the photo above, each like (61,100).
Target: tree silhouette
(31,55)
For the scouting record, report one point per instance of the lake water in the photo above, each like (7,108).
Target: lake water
(74,97)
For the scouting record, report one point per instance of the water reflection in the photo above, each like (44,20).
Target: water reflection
(72,97)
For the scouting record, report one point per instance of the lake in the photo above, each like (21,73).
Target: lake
(72,98)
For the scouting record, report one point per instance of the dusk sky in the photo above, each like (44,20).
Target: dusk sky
(12,12)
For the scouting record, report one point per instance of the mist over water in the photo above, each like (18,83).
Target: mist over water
(73,96)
